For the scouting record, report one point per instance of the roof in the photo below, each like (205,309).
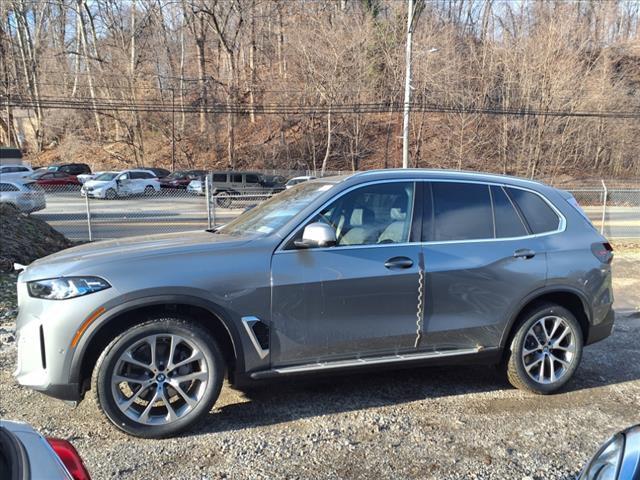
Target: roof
(434,174)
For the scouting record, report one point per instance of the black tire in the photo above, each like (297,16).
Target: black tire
(223,200)
(110,194)
(515,365)
(149,190)
(111,357)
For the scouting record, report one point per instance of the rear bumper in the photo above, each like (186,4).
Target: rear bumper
(601,330)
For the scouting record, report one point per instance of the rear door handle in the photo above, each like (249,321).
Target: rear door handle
(398,262)
(525,253)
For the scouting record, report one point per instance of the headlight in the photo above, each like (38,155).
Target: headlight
(606,463)
(66,287)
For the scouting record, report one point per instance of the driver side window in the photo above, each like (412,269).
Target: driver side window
(371,215)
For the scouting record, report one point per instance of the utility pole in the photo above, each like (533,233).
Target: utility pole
(407,86)
(173,130)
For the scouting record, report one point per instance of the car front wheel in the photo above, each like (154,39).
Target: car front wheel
(546,350)
(159,378)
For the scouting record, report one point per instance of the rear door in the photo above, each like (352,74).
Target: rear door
(481,260)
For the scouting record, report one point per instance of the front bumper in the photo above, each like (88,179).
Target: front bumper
(44,331)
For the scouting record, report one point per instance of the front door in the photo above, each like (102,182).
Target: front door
(358,298)
(480,262)
(124,185)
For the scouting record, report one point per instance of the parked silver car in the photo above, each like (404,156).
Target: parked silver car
(26,196)
(111,185)
(25,454)
(390,267)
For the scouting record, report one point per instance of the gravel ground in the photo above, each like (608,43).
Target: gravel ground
(462,422)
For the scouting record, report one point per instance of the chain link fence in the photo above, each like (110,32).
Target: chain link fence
(613,211)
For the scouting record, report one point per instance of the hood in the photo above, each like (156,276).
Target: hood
(88,257)
(96,183)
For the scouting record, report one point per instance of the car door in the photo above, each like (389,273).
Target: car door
(359,297)
(124,185)
(481,261)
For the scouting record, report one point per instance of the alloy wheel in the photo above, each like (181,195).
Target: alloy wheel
(159,379)
(549,349)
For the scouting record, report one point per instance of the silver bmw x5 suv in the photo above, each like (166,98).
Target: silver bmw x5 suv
(395,267)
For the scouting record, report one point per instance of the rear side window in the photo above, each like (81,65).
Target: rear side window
(220,177)
(461,211)
(236,178)
(538,214)
(507,218)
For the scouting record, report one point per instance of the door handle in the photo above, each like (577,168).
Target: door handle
(525,253)
(398,262)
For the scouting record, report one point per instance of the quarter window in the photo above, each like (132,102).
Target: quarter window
(537,213)
(370,215)
(507,219)
(461,211)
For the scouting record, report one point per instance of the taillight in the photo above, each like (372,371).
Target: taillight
(70,458)
(602,251)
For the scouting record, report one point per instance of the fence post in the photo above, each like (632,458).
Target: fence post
(207,192)
(604,207)
(86,198)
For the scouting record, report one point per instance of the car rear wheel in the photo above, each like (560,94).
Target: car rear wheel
(110,194)
(159,378)
(223,200)
(546,350)
(149,190)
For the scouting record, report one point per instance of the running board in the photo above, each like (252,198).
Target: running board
(361,362)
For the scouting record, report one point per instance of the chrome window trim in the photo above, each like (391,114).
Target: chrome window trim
(562,221)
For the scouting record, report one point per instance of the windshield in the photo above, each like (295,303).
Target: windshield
(275,212)
(53,168)
(39,174)
(105,177)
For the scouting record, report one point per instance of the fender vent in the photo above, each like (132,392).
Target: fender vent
(261,331)
(258,332)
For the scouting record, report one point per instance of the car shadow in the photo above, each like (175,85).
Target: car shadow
(294,398)
(612,361)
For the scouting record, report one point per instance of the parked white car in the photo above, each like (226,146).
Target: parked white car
(297,180)
(14,172)
(111,185)
(196,187)
(26,196)
(85,177)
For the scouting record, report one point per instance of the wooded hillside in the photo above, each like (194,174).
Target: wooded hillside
(526,88)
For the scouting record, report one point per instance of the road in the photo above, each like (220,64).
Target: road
(178,211)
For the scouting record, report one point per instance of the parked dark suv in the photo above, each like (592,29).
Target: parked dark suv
(377,268)
(70,168)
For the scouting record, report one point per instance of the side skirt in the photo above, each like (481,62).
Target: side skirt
(439,357)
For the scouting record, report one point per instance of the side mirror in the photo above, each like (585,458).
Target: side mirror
(317,235)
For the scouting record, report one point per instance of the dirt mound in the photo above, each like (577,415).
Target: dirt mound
(24,239)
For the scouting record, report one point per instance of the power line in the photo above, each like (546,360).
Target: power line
(152,106)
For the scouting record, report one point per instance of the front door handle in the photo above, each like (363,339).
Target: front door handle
(398,262)
(525,253)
